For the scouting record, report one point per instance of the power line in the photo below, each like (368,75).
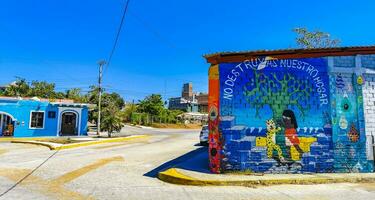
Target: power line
(29,174)
(117,35)
(157,34)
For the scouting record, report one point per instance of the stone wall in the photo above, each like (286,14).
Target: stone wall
(369,101)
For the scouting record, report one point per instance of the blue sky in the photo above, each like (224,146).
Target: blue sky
(162,42)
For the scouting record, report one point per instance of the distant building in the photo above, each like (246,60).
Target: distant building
(187,91)
(202,99)
(179,103)
(189,101)
(31,117)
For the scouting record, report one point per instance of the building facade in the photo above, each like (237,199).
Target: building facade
(187,91)
(202,99)
(34,118)
(292,111)
(180,103)
(189,101)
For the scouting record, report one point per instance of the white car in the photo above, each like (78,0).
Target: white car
(203,136)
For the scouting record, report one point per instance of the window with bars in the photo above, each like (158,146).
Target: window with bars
(37,119)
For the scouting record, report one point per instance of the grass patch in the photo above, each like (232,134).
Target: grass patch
(62,140)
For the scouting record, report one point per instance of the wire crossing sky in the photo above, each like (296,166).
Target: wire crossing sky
(162,42)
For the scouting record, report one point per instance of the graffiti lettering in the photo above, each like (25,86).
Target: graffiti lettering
(261,63)
(228,93)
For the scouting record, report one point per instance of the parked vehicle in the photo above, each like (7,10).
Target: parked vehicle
(203,137)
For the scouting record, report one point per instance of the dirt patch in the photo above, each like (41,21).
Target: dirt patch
(62,140)
(177,126)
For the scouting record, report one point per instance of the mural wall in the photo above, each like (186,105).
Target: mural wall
(349,136)
(214,139)
(276,116)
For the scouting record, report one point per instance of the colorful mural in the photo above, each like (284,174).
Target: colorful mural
(214,136)
(276,116)
(348,124)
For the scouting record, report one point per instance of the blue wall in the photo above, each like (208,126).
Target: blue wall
(257,98)
(20,110)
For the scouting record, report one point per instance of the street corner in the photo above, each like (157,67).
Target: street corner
(57,143)
(172,175)
(55,187)
(188,177)
(3,151)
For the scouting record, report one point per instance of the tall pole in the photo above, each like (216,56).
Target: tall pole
(101,64)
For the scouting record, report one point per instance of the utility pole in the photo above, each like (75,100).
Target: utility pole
(101,64)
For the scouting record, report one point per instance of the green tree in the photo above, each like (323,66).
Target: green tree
(128,111)
(108,100)
(152,105)
(59,95)
(287,90)
(117,100)
(76,95)
(19,88)
(93,95)
(42,89)
(314,39)
(170,116)
(112,120)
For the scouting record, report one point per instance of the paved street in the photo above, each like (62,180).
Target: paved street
(127,171)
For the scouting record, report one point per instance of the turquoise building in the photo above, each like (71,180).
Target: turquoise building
(33,117)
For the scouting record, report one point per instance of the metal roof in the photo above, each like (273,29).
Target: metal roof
(237,56)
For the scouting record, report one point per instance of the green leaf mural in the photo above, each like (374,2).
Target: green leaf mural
(278,93)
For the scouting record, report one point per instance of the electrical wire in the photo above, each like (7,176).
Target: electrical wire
(117,36)
(153,31)
(29,174)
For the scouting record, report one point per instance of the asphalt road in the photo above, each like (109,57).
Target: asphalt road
(127,171)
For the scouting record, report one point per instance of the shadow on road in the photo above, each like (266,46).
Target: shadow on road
(200,145)
(196,160)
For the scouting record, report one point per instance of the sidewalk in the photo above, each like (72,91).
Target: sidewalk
(188,177)
(194,171)
(81,141)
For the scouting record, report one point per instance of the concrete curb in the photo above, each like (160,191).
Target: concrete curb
(50,146)
(174,176)
(11,139)
(55,146)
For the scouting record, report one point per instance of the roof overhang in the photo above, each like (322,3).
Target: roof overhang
(62,104)
(225,57)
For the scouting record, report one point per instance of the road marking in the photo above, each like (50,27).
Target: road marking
(40,185)
(55,187)
(138,140)
(84,170)
(2,151)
